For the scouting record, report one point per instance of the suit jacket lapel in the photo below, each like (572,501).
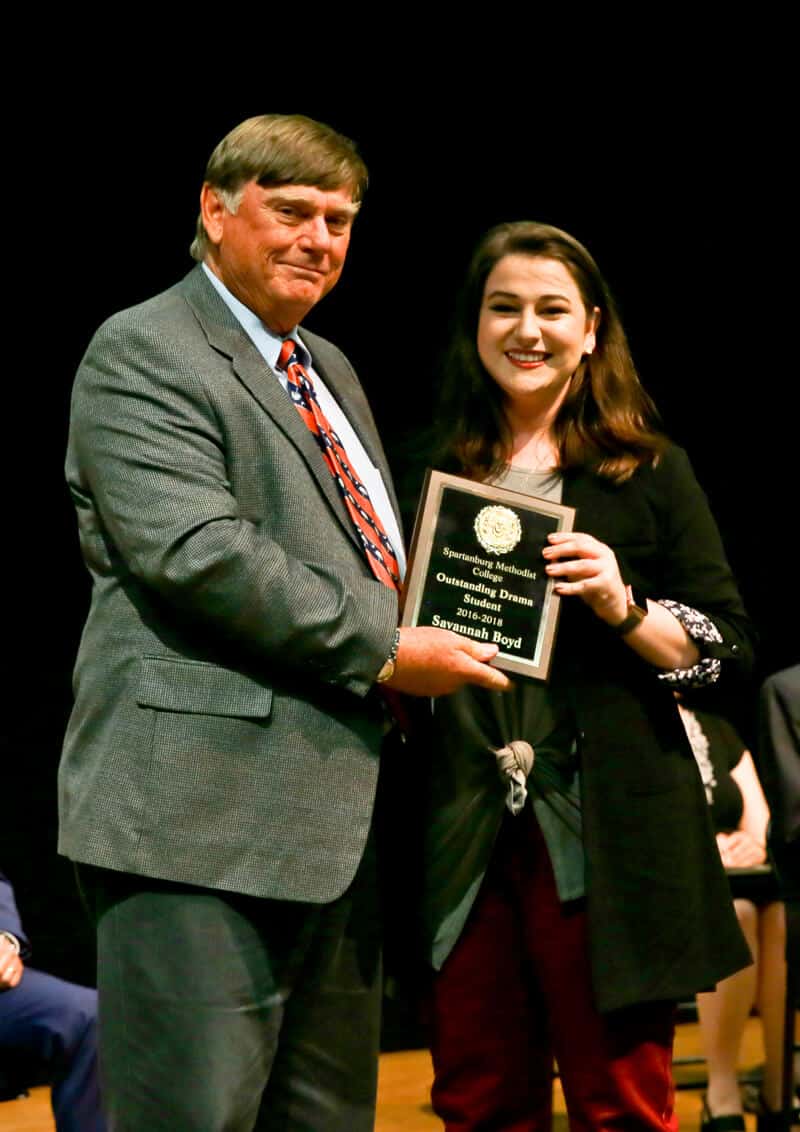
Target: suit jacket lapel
(226,335)
(353,403)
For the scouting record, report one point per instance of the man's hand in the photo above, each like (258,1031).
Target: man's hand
(433,662)
(11,966)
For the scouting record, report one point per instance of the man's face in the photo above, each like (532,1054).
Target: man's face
(282,250)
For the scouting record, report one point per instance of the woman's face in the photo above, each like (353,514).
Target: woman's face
(533,329)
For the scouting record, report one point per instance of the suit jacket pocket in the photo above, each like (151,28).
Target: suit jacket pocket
(192,687)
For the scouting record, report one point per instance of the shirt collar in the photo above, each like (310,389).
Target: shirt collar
(267,341)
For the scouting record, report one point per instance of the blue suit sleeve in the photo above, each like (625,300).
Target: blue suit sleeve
(9,915)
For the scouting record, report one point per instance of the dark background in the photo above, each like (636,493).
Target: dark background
(681,192)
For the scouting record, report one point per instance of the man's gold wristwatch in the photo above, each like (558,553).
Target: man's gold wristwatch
(389,665)
(637,611)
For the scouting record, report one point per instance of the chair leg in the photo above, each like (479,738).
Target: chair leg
(787,1093)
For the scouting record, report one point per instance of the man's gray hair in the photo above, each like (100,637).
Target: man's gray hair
(280,149)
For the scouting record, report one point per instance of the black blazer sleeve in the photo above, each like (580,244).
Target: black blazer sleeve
(661,529)
(694,568)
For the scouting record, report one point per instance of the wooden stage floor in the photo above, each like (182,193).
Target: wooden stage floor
(403,1094)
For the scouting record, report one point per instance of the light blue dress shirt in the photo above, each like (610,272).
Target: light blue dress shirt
(269,345)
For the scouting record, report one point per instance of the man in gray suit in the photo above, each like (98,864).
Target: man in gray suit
(220,765)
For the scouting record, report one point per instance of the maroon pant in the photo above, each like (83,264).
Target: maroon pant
(516,990)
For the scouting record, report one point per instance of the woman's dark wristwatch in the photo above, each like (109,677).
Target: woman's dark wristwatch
(637,611)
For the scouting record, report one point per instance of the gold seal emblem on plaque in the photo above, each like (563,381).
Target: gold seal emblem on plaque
(498,529)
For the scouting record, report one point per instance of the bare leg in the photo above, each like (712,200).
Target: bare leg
(723,1014)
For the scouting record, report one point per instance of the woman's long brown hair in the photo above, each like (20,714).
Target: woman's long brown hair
(607,421)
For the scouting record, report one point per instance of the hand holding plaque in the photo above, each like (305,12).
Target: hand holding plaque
(476,568)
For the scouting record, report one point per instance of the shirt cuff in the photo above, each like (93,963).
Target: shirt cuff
(702,631)
(12,939)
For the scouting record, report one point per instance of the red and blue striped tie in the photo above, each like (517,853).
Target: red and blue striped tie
(377,545)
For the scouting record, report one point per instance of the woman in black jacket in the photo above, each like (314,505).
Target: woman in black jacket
(569,925)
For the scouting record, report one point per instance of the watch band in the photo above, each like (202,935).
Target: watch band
(637,611)
(389,665)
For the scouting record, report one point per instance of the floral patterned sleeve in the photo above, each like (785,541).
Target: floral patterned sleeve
(701,630)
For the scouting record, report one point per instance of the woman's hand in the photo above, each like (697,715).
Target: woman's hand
(581,564)
(740,850)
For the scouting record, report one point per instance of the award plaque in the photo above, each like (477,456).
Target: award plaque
(476,567)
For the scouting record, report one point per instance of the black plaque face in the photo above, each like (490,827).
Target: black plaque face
(477,568)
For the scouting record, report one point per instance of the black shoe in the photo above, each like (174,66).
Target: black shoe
(733,1122)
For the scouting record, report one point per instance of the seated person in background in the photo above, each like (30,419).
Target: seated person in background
(740,815)
(779,763)
(49,1025)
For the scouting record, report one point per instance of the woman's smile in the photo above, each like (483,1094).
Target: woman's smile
(526,359)
(533,330)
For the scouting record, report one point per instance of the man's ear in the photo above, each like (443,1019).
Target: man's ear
(213,212)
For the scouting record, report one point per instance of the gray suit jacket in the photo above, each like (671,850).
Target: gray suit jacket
(225,732)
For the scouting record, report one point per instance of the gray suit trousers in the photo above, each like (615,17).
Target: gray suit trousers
(227,1012)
